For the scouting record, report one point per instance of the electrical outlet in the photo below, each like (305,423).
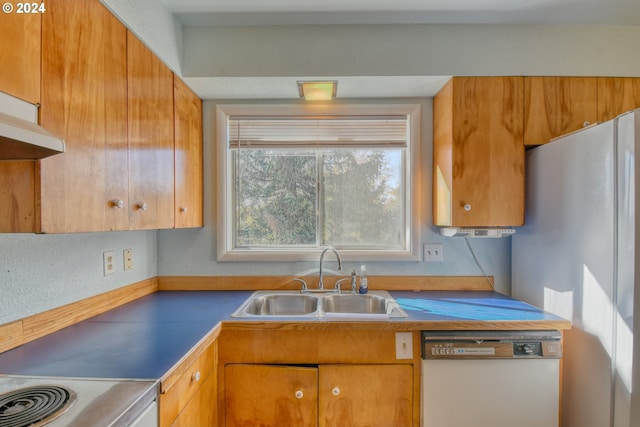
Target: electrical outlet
(433,252)
(108,263)
(404,345)
(127,254)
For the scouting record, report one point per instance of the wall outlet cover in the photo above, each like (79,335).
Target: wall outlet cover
(108,262)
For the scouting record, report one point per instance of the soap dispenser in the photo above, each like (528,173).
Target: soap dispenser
(364,287)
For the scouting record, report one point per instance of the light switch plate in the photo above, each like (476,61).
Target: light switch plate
(127,254)
(433,252)
(404,345)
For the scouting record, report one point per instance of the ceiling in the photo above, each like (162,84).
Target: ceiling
(314,12)
(272,12)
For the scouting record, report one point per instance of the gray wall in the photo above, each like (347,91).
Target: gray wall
(41,272)
(406,50)
(193,252)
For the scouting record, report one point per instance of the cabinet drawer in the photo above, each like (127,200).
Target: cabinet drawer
(176,397)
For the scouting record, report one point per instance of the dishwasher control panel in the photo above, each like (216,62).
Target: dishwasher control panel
(490,345)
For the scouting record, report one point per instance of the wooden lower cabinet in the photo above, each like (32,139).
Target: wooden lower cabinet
(188,394)
(200,410)
(271,395)
(324,395)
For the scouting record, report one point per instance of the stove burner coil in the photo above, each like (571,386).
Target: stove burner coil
(34,406)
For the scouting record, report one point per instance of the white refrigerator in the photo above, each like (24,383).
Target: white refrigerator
(576,258)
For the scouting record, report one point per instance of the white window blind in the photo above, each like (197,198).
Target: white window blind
(306,131)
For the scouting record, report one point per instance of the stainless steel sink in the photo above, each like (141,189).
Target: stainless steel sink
(376,305)
(282,305)
(354,303)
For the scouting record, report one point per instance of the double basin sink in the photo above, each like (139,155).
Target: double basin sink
(375,305)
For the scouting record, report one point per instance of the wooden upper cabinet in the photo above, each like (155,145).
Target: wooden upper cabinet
(478,152)
(17,197)
(188,156)
(555,106)
(365,395)
(151,138)
(20,55)
(84,101)
(617,95)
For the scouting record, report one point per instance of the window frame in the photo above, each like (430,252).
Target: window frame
(224,198)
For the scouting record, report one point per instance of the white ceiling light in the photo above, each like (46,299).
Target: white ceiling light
(318,90)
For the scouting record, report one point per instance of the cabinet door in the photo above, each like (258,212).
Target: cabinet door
(365,395)
(198,411)
(616,96)
(555,106)
(478,153)
(20,55)
(150,107)
(188,156)
(84,101)
(191,388)
(271,396)
(17,198)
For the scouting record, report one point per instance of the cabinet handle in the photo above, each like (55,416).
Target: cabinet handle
(586,123)
(467,207)
(142,206)
(184,210)
(299,394)
(335,391)
(117,203)
(195,377)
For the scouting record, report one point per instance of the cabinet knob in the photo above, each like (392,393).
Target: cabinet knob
(336,391)
(467,207)
(184,209)
(586,123)
(195,377)
(142,206)
(299,394)
(117,203)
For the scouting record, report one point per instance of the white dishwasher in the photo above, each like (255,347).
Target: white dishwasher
(490,378)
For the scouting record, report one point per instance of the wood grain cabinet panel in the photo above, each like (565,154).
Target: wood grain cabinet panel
(17,197)
(365,395)
(84,101)
(555,106)
(151,138)
(325,396)
(191,399)
(478,152)
(112,101)
(271,396)
(20,55)
(200,410)
(188,156)
(617,95)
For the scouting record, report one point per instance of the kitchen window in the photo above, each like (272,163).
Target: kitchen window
(293,179)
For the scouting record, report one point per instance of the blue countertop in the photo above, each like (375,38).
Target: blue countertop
(144,339)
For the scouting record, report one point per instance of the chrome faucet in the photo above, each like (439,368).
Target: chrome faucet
(330,248)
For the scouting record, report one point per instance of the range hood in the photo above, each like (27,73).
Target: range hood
(21,138)
(495,232)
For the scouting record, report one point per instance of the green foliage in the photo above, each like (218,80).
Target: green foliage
(278,203)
